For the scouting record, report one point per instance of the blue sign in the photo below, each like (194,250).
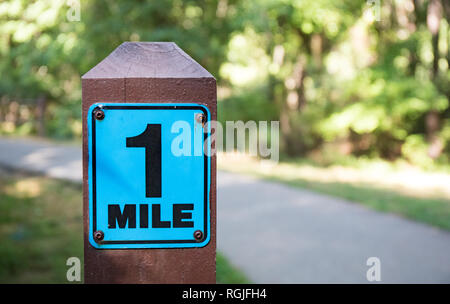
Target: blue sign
(149,175)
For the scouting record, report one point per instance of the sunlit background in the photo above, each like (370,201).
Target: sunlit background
(361,91)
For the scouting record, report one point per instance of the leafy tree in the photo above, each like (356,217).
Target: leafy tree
(327,70)
(36,59)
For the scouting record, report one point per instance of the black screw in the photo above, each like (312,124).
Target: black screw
(98,236)
(198,235)
(200,118)
(99,114)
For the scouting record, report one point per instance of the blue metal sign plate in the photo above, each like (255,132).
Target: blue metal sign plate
(149,175)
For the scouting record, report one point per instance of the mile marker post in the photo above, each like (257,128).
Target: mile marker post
(131,232)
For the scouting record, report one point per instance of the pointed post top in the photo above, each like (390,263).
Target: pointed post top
(147,60)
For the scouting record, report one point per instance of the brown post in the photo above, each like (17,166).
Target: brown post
(148,72)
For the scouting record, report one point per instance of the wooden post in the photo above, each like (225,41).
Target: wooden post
(148,72)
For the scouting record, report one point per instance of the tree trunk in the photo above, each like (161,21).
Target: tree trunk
(41,105)
(432,119)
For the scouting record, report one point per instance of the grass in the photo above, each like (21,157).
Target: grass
(413,194)
(41,227)
(435,212)
(227,273)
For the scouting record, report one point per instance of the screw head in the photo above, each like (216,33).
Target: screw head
(198,235)
(99,114)
(98,236)
(200,118)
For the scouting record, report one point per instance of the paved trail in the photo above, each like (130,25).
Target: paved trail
(280,234)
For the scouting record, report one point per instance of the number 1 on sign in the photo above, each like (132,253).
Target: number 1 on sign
(150,139)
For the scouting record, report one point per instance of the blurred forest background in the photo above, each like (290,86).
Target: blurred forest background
(346,79)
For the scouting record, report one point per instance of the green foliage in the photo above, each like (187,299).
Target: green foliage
(39,230)
(43,54)
(251,104)
(382,103)
(325,69)
(415,150)
(227,273)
